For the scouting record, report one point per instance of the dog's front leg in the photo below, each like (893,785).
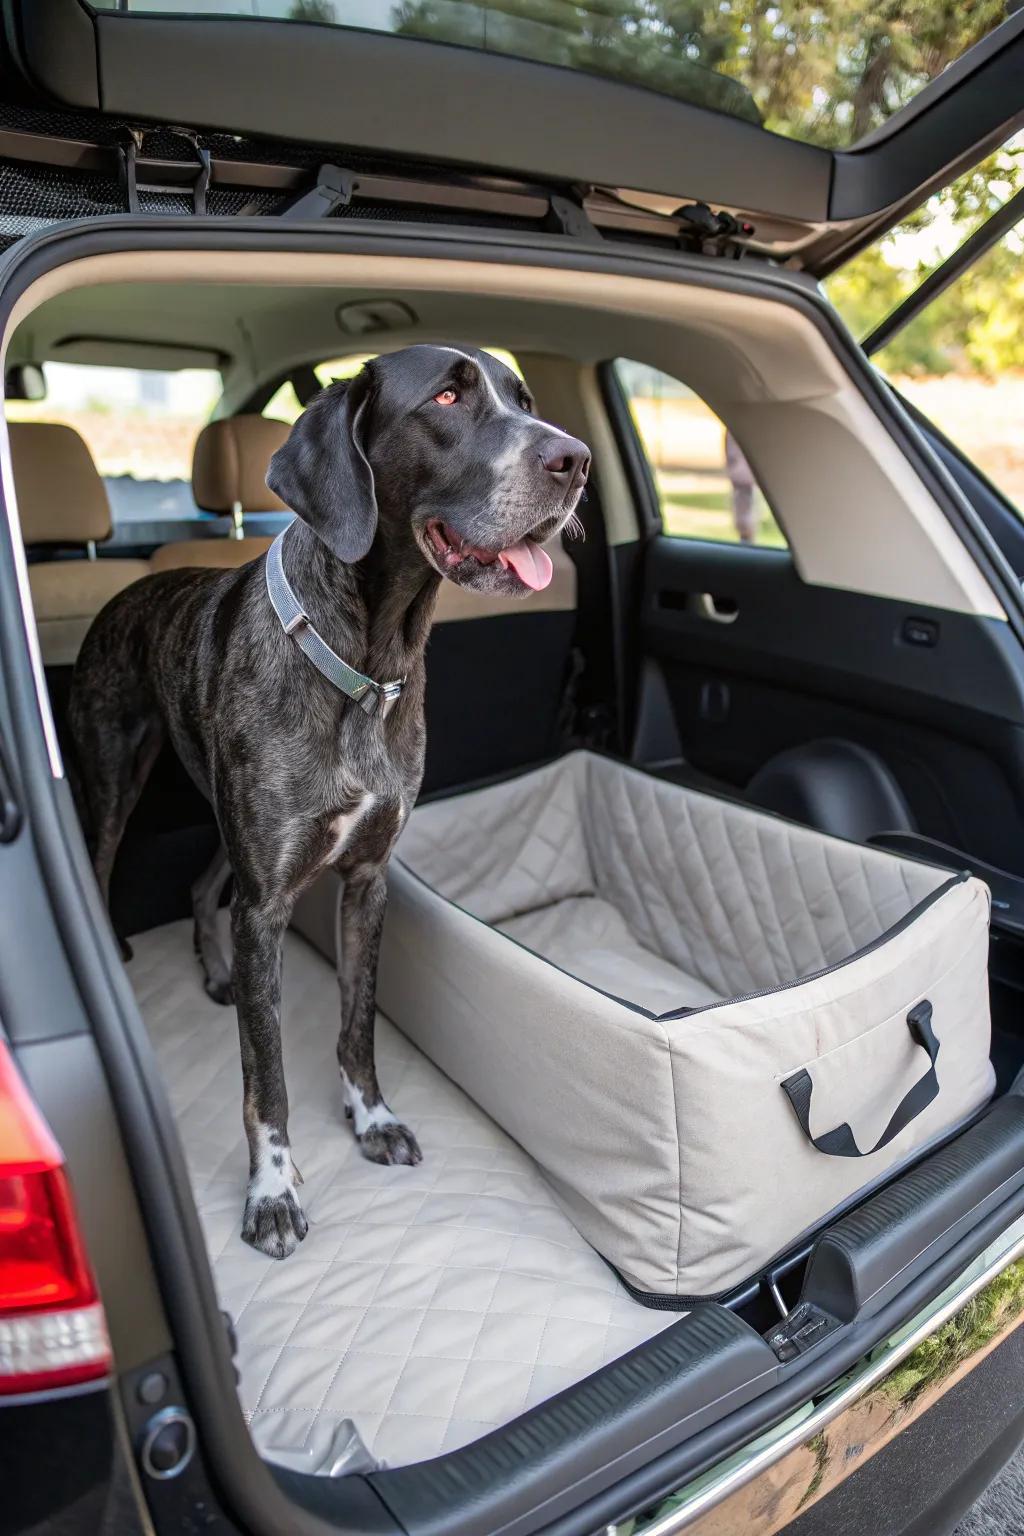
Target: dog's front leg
(273,1221)
(382,1137)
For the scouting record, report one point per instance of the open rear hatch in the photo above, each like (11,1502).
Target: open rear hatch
(802,145)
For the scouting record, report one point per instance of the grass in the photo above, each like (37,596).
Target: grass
(968,1331)
(707,514)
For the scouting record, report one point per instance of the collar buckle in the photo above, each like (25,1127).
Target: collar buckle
(380,698)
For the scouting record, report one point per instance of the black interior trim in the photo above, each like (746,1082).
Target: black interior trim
(975,664)
(698,1369)
(863,1259)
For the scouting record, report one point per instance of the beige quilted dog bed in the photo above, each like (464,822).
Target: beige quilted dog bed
(709,1027)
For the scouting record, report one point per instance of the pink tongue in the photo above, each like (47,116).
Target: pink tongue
(531,564)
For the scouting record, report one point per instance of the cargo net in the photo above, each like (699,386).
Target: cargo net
(35,196)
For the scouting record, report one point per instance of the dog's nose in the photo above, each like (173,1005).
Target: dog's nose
(567,459)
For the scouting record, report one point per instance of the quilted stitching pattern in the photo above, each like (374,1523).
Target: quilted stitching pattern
(590,939)
(501,851)
(429,1305)
(735,900)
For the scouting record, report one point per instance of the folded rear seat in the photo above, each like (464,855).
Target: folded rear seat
(711,1028)
(62,503)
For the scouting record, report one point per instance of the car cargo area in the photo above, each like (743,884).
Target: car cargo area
(429,1304)
(431,1307)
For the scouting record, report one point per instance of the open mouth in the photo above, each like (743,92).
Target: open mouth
(526,559)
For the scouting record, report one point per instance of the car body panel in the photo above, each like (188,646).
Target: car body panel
(767,1488)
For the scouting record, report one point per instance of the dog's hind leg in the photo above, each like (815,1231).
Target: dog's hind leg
(206,894)
(273,1220)
(113,766)
(381,1135)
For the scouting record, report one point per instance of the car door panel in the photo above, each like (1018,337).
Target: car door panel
(751,661)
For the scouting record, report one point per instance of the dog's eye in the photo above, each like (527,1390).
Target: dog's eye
(447,397)
(526,404)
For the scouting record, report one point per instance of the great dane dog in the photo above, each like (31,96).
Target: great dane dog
(292,689)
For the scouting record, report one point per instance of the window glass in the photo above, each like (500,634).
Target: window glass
(140,425)
(829,72)
(875,282)
(961,362)
(284,404)
(705,485)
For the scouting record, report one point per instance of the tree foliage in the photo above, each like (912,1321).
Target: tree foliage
(825,70)
(977,324)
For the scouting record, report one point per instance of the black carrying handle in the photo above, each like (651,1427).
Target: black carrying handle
(840,1142)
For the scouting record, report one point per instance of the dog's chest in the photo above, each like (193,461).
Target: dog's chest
(366,831)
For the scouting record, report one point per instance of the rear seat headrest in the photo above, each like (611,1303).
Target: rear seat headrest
(230,461)
(61,498)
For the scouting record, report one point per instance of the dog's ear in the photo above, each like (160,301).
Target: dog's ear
(322,471)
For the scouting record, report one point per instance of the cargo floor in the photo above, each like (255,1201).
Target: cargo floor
(427,1305)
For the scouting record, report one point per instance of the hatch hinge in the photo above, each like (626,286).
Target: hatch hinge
(710,233)
(141,175)
(333,190)
(567,217)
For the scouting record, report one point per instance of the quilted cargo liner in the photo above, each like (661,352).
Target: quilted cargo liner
(427,1305)
(624,973)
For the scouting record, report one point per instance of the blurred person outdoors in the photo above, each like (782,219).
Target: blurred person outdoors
(741,481)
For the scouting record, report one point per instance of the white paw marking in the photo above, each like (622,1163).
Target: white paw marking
(365,1118)
(270,1180)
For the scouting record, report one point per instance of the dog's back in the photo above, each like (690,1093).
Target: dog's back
(158,629)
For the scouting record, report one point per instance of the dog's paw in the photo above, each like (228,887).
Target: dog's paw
(221,991)
(390,1143)
(274,1224)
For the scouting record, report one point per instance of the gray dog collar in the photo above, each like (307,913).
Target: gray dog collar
(373,698)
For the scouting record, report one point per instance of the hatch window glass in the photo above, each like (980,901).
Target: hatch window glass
(706,488)
(829,73)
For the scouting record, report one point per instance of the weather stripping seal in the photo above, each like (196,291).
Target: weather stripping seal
(25,598)
(713,1493)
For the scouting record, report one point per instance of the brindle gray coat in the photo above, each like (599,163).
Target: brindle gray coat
(429,464)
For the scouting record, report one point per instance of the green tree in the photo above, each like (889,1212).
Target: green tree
(827,70)
(977,325)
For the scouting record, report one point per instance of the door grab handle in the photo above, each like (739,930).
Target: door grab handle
(721,610)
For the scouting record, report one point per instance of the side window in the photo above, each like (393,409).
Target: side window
(284,404)
(705,486)
(139,424)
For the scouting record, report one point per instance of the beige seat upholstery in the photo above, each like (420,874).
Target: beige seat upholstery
(62,501)
(229,468)
(218,553)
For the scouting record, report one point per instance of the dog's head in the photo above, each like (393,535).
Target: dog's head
(440,446)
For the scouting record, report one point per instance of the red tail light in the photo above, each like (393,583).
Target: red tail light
(52,1329)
